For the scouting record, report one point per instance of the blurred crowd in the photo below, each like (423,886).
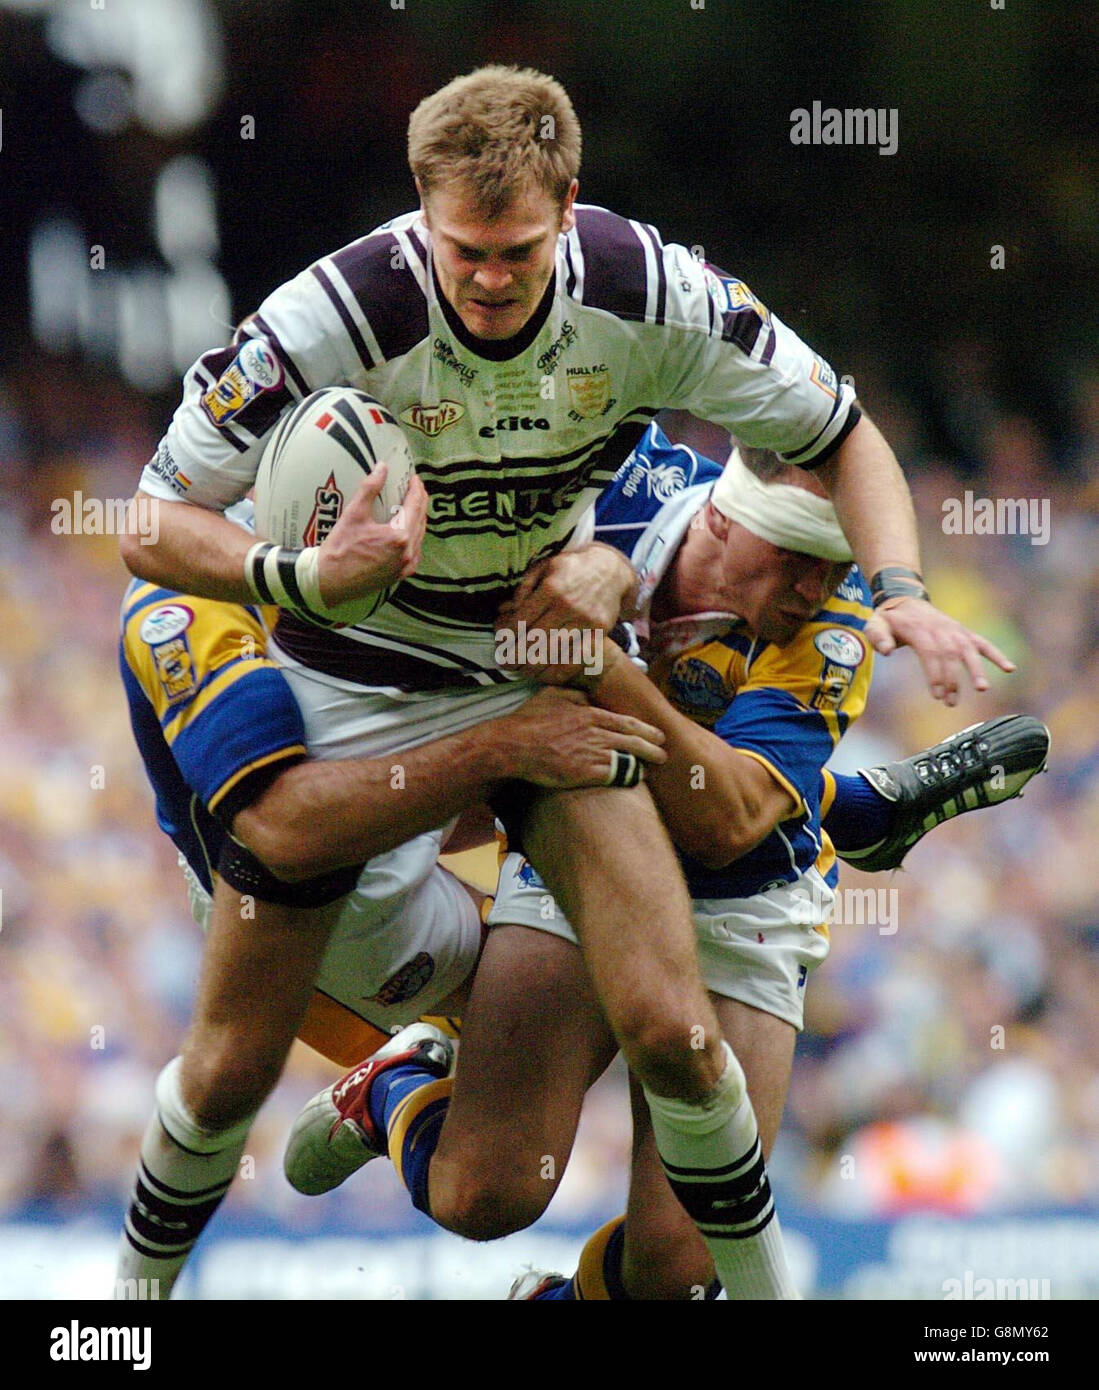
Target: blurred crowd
(951,1064)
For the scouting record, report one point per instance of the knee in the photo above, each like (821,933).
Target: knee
(224,1087)
(669,1053)
(479,1208)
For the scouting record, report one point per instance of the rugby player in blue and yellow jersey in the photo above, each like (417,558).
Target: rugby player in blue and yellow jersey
(751,620)
(222,738)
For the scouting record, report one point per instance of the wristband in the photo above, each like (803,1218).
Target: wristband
(290,579)
(896,581)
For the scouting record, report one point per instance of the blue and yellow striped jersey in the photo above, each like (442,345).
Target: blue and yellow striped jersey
(787,706)
(213,717)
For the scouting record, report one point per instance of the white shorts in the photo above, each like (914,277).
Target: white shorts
(407,936)
(758,950)
(355,721)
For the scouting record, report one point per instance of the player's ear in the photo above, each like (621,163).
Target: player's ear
(717,522)
(423,200)
(568,217)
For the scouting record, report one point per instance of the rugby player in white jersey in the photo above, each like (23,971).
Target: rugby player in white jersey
(524,341)
(753,623)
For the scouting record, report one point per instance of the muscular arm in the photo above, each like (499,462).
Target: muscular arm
(872,501)
(196,551)
(318,815)
(716,803)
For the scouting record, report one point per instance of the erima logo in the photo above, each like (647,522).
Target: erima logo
(514,422)
(76,1343)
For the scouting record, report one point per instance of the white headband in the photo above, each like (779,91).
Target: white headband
(787,516)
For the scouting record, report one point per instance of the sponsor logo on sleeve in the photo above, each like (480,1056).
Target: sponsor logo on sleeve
(165,631)
(838,645)
(167,621)
(166,468)
(255,369)
(843,654)
(823,376)
(729,295)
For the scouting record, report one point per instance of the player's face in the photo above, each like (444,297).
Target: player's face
(494,273)
(775,591)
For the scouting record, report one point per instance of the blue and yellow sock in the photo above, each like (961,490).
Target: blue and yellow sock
(598,1276)
(855,815)
(413,1124)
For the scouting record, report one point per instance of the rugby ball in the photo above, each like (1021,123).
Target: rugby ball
(315,462)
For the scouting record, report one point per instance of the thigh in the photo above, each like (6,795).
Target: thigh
(533,1041)
(607,860)
(257,976)
(664,1254)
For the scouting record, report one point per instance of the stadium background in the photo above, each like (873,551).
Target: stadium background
(914,1149)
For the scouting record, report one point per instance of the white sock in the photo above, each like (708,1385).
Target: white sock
(183,1174)
(712,1157)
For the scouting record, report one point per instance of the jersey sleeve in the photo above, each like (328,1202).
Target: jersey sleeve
(226,712)
(729,360)
(798,700)
(303,337)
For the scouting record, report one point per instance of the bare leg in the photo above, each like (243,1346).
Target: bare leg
(608,861)
(256,983)
(257,980)
(533,1041)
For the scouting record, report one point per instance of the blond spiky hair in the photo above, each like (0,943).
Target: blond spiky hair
(497,131)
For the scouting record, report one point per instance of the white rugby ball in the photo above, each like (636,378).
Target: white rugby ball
(315,462)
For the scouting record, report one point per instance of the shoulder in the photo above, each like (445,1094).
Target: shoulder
(383,277)
(162,628)
(618,265)
(655,474)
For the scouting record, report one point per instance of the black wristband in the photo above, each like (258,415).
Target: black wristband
(896,581)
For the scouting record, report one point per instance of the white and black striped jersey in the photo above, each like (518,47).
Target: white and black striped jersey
(514,440)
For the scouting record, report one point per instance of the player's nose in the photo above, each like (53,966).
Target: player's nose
(493,279)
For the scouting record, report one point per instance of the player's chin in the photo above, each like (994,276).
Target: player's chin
(494,323)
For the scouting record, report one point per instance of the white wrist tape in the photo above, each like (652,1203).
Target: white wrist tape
(288,578)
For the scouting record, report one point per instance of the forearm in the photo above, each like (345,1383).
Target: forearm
(319,815)
(872,500)
(196,552)
(715,808)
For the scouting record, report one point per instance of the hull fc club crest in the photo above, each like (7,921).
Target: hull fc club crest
(589,390)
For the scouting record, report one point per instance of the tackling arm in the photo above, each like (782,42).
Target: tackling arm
(716,803)
(319,815)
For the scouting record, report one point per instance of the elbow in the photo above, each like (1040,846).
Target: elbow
(130,548)
(281,846)
(723,841)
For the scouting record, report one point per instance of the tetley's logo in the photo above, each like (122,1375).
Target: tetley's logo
(433,419)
